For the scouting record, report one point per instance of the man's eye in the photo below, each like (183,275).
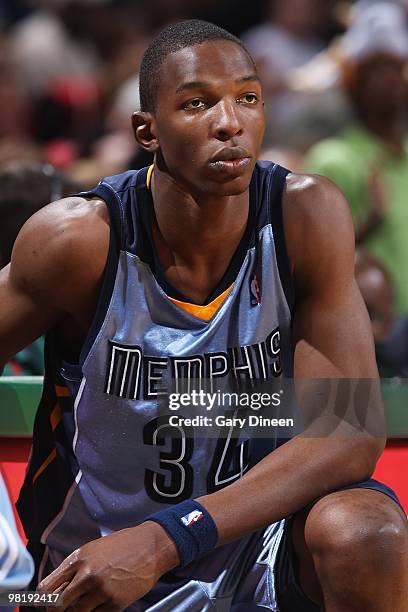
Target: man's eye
(249,98)
(193,104)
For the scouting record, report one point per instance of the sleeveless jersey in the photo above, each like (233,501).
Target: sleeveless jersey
(102,457)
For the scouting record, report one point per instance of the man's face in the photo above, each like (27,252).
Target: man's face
(209,118)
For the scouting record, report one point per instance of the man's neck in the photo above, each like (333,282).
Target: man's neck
(195,235)
(199,225)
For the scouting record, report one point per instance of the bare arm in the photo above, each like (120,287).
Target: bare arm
(55,271)
(333,339)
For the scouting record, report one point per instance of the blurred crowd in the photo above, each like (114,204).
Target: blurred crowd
(335,76)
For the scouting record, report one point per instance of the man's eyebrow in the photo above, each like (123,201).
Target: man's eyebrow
(192,85)
(207,84)
(249,77)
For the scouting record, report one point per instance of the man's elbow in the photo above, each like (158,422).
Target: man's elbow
(369,450)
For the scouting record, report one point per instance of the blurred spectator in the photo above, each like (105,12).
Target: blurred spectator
(294,32)
(73,57)
(13,102)
(47,47)
(26,187)
(390,332)
(15,110)
(369,161)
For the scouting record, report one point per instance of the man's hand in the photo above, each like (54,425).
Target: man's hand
(114,571)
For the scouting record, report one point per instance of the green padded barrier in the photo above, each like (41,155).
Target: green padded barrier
(19,397)
(396,407)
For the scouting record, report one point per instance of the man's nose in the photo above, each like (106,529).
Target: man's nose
(227,123)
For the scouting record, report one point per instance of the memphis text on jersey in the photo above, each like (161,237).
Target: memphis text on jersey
(132,375)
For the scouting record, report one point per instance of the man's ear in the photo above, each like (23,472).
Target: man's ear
(145,131)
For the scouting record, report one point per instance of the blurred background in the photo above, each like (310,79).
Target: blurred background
(335,76)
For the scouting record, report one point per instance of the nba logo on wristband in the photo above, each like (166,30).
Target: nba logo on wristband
(191,528)
(192,517)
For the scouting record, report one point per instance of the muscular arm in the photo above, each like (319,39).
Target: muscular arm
(333,339)
(55,271)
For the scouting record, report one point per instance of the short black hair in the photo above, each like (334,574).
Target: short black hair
(175,37)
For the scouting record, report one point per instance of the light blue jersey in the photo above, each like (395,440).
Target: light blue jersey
(116,460)
(105,455)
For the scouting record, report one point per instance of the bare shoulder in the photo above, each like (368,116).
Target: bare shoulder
(314,197)
(318,225)
(61,250)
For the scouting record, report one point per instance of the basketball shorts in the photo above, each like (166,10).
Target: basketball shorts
(257,573)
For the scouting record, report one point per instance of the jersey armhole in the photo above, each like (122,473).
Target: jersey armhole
(277,184)
(116,239)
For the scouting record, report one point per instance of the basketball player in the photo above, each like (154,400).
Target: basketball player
(194,265)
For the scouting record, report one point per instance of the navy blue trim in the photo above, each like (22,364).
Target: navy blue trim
(41,500)
(136,211)
(276,186)
(374,485)
(116,214)
(116,239)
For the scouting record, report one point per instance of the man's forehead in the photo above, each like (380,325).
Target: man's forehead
(207,61)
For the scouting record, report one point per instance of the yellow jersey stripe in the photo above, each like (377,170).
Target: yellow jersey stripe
(149,176)
(203,312)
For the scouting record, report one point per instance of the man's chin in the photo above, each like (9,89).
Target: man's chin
(235,187)
(232,186)
(233,192)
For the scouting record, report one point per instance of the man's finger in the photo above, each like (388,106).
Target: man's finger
(78,588)
(55,592)
(88,602)
(62,574)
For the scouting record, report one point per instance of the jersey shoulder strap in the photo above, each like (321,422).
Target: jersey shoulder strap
(270,184)
(120,194)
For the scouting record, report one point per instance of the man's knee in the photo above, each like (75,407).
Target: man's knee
(356,527)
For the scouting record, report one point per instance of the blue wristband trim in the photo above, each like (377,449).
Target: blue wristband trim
(191,527)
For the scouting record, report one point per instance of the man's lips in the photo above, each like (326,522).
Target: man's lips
(231,160)
(230,154)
